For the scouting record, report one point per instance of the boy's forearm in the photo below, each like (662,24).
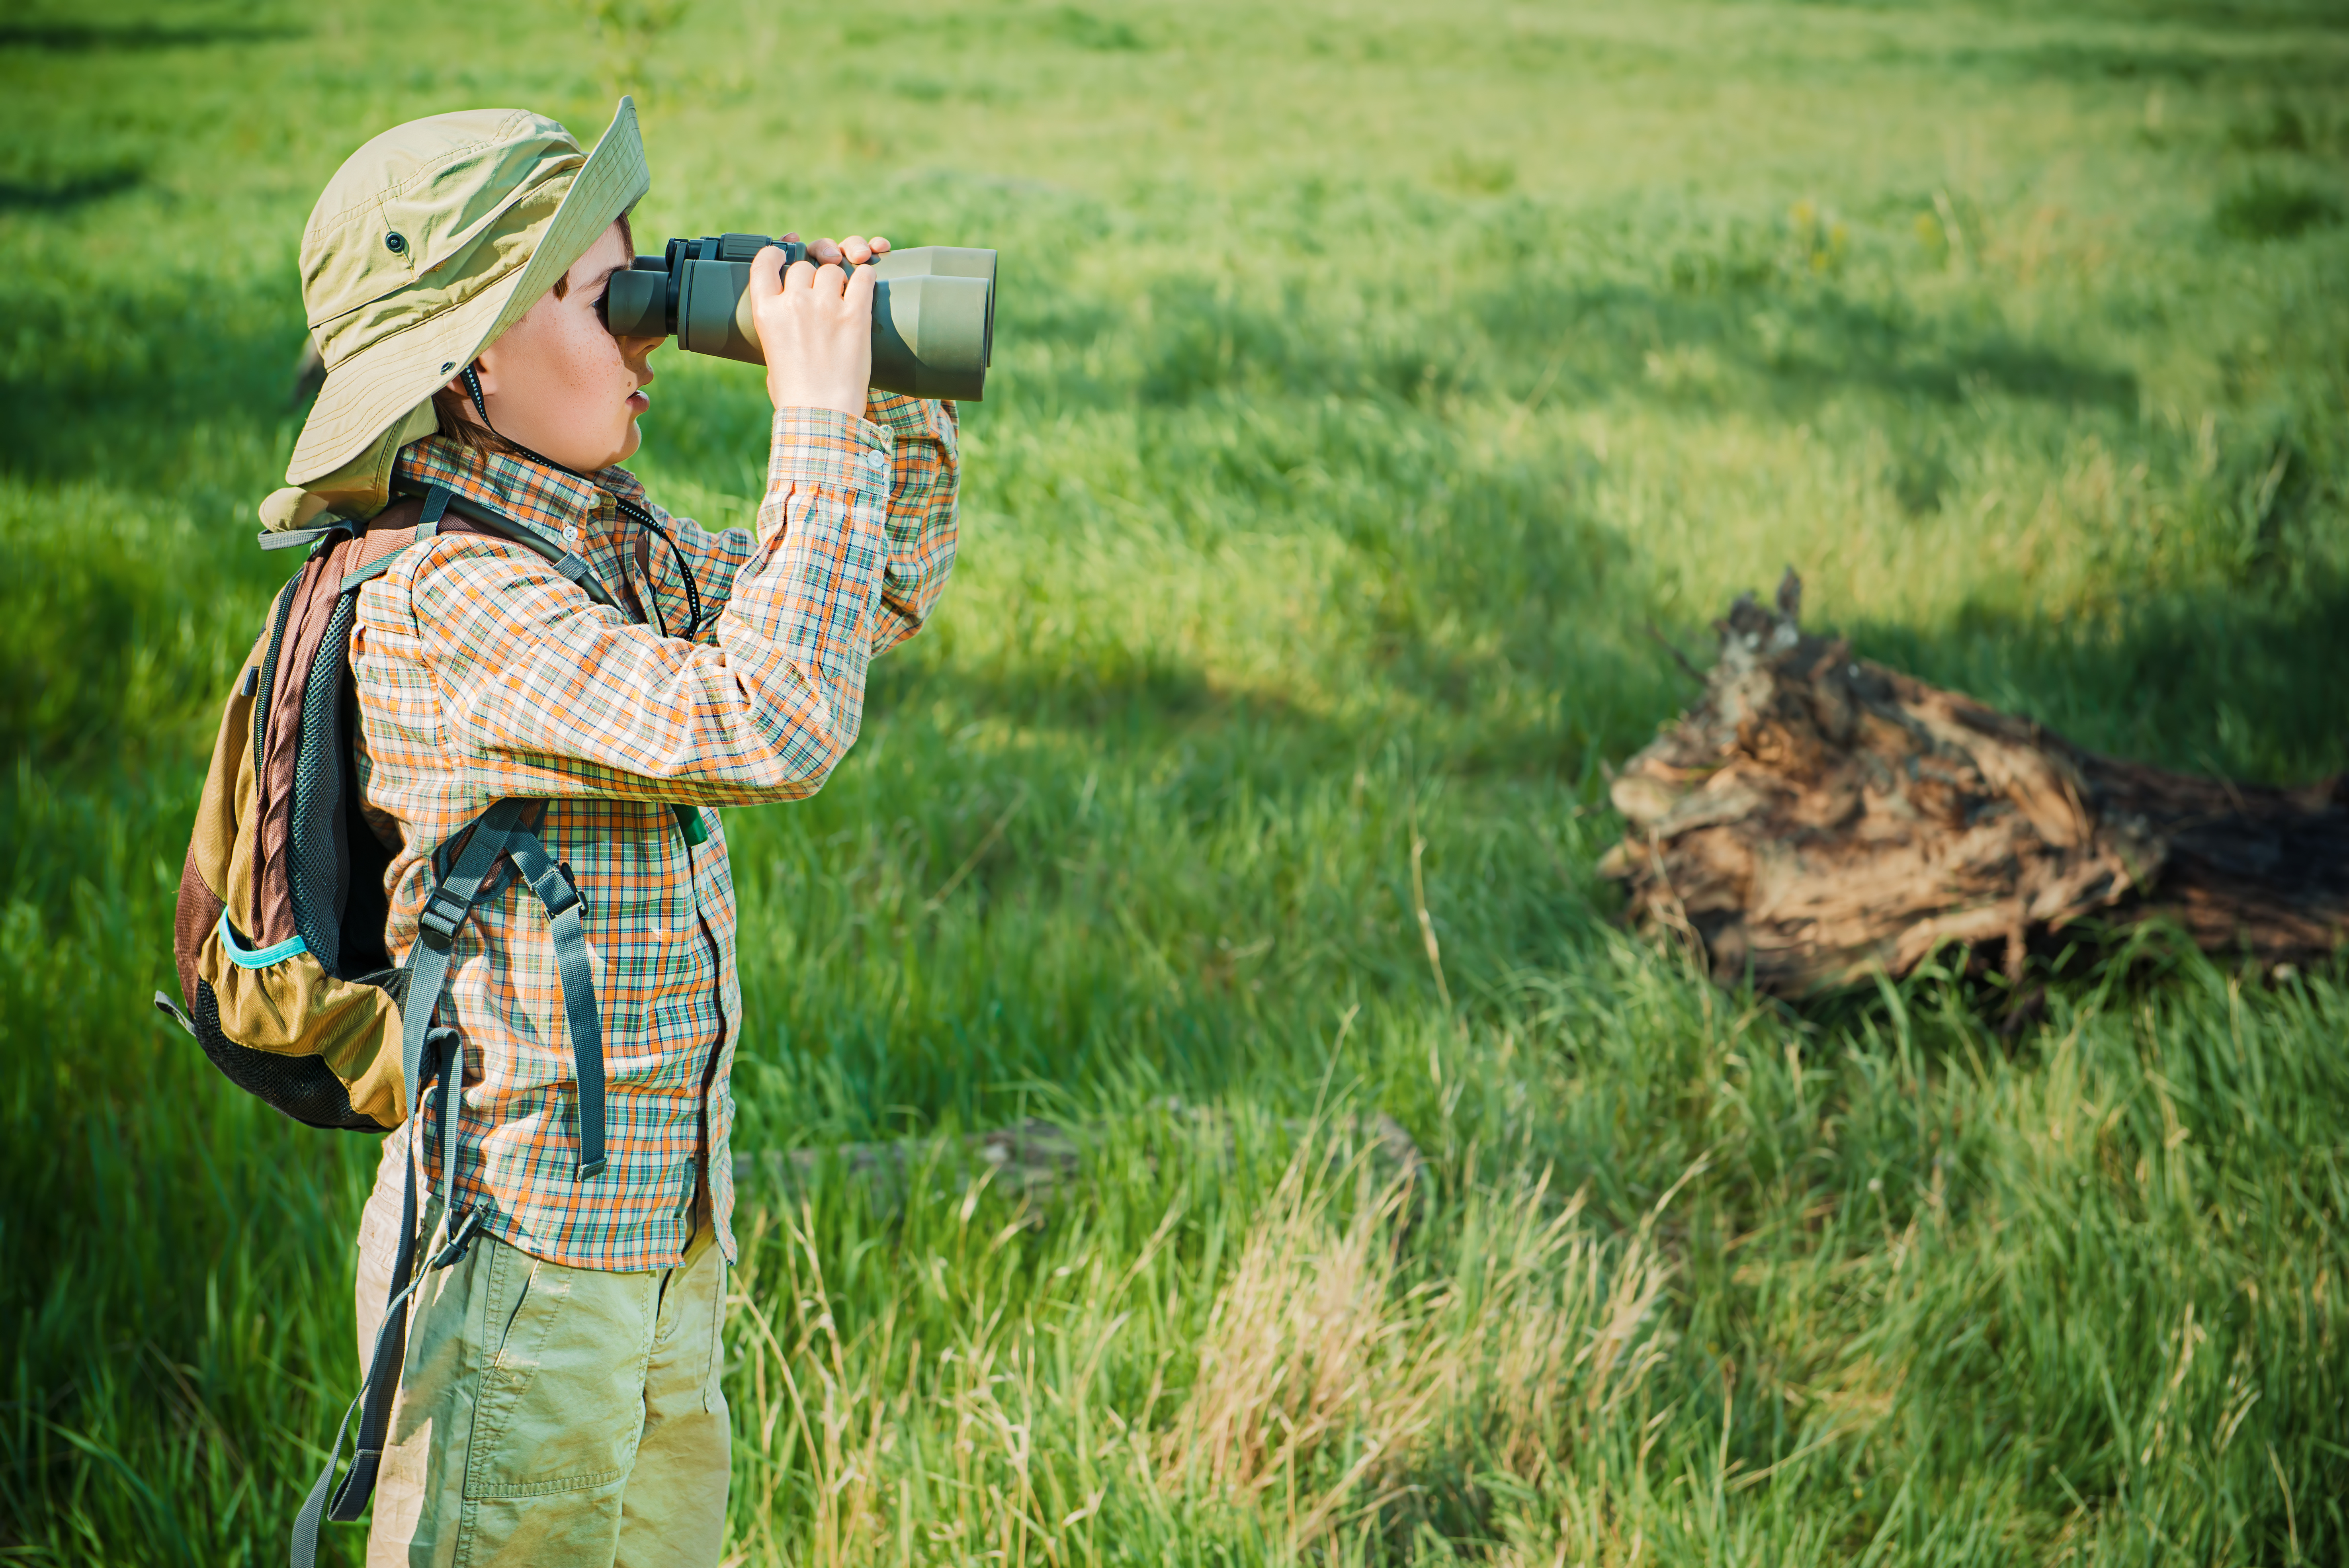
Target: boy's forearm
(801,613)
(554,697)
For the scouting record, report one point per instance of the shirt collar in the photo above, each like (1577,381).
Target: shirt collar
(535,493)
(582,508)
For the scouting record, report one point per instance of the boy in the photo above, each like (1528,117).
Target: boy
(560,1399)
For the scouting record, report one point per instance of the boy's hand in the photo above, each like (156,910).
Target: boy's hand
(855,249)
(815,325)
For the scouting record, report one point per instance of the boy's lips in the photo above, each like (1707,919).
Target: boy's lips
(639,400)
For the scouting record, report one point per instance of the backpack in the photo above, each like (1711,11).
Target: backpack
(279,934)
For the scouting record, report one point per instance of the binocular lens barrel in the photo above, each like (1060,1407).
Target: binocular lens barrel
(933,309)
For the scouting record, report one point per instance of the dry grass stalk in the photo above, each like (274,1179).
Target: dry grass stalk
(1337,1373)
(836,1420)
(1329,1381)
(840,1440)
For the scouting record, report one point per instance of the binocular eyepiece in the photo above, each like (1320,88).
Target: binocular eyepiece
(933,309)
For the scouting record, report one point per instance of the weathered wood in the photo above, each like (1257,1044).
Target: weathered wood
(1816,818)
(1028,1159)
(1040,1161)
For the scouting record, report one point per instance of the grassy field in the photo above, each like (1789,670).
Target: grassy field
(1371,377)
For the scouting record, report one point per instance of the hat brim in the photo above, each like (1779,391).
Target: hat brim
(366,399)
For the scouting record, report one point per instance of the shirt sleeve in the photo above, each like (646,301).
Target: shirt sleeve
(924,481)
(547,694)
(692,554)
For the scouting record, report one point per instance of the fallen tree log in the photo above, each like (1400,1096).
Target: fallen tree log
(1035,1162)
(1816,818)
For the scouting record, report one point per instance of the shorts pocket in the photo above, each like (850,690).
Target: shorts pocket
(562,1392)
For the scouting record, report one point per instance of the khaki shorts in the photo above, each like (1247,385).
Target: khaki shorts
(548,1414)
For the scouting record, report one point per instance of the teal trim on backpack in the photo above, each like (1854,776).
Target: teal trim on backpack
(244,959)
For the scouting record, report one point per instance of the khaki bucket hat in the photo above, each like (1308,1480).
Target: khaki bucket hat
(430,241)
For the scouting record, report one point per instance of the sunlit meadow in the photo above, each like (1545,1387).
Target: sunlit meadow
(1380,387)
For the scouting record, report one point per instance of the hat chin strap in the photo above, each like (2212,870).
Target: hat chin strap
(473,388)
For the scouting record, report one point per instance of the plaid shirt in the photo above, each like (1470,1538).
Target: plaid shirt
(482,674)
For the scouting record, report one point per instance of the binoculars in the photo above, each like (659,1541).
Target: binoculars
(933,309)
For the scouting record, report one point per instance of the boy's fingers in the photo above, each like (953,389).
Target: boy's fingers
(802,274)
(855,248)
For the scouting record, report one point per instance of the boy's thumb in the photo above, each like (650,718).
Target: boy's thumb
(767,273)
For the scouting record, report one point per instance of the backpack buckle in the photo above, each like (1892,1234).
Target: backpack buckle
(437,926)
(460,1238)
(563,892)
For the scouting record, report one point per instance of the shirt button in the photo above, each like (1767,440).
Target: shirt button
(877,457)
(571,534)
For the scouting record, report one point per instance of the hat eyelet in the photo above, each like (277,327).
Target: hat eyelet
(396,242)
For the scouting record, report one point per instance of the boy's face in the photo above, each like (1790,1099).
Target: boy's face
(558,383)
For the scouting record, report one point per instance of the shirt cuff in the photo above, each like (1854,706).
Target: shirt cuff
(902,413)
(825,447)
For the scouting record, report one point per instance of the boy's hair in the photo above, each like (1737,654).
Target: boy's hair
(458,420)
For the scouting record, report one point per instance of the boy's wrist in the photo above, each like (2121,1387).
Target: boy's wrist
(782,399)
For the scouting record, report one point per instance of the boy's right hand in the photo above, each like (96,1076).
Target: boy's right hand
(815,329)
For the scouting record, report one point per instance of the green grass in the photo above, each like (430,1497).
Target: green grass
(1372,378)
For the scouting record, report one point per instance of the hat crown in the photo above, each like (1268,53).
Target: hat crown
(430,241)
(415,199)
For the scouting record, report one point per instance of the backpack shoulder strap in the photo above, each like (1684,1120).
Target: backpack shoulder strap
(566,919)
(498,833)
(437,509)
(453,899)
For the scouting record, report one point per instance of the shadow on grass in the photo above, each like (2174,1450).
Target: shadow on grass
(2126,63)
(66,192)
(2222,681)
(1725,326)
(1802,344)
(115,380)
(101,37)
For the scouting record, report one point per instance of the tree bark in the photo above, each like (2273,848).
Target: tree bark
(1816,818)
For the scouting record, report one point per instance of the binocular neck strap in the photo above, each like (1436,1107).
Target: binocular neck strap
(694,831)
(472,380)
